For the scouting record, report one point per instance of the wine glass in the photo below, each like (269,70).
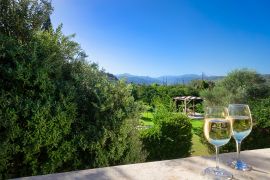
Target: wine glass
(240,116)
(217,130)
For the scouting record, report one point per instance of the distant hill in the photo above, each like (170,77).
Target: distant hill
(181,79)
(138,79)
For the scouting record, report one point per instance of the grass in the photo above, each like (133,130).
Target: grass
(196,124)
(197,149)
(146,119)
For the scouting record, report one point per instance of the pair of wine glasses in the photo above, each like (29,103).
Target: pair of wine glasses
(220,124)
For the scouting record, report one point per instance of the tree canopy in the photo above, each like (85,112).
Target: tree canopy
(237,87)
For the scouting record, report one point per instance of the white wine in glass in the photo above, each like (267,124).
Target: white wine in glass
(240,116)
(217,130)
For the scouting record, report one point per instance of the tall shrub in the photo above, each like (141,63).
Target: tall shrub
(57,112)
(169,138)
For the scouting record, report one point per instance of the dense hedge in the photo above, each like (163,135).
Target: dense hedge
(169,138)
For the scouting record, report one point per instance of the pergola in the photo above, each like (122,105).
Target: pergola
(186,100)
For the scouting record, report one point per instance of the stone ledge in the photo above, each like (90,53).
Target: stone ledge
(185,168)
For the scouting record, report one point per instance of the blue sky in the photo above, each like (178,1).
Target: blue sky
(169,37)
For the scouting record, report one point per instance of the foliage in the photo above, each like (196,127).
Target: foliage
(20,19)
(199,108)
(257,139)
(58,112)
(149,93)
(37,107)
(201,84)
(169,138)
(243,86)
(261,112)
(164,107)
(157,96)
(107,120)
(216,96)
(238,86)
(260,135)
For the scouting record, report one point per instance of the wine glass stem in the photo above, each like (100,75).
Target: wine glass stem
(217,157)
(238,147)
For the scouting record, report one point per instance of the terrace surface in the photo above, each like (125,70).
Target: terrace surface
(185,168)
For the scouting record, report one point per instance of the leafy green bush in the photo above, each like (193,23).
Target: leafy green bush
(261,112)
(199,108)
(37,107)
(58,112)
(151,143)
(169,138)
(105,128)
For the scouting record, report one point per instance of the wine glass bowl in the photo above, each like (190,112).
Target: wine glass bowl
(240,117)
(217,130)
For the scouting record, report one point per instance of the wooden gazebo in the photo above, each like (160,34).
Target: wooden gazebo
(186,100)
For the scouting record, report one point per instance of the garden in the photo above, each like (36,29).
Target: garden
(60,112)
(198,148)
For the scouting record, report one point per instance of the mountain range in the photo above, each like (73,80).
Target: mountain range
(169,80)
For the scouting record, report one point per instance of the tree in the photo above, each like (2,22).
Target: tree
(201,84)
(21,18)
(57,111)
(237,87)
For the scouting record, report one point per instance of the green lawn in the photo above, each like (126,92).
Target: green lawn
(146,119)
(197,123)
(198,149)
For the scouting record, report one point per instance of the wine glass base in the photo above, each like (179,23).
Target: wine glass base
(217,173)
(240,165)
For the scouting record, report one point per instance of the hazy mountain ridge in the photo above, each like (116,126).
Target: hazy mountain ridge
(179,79)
